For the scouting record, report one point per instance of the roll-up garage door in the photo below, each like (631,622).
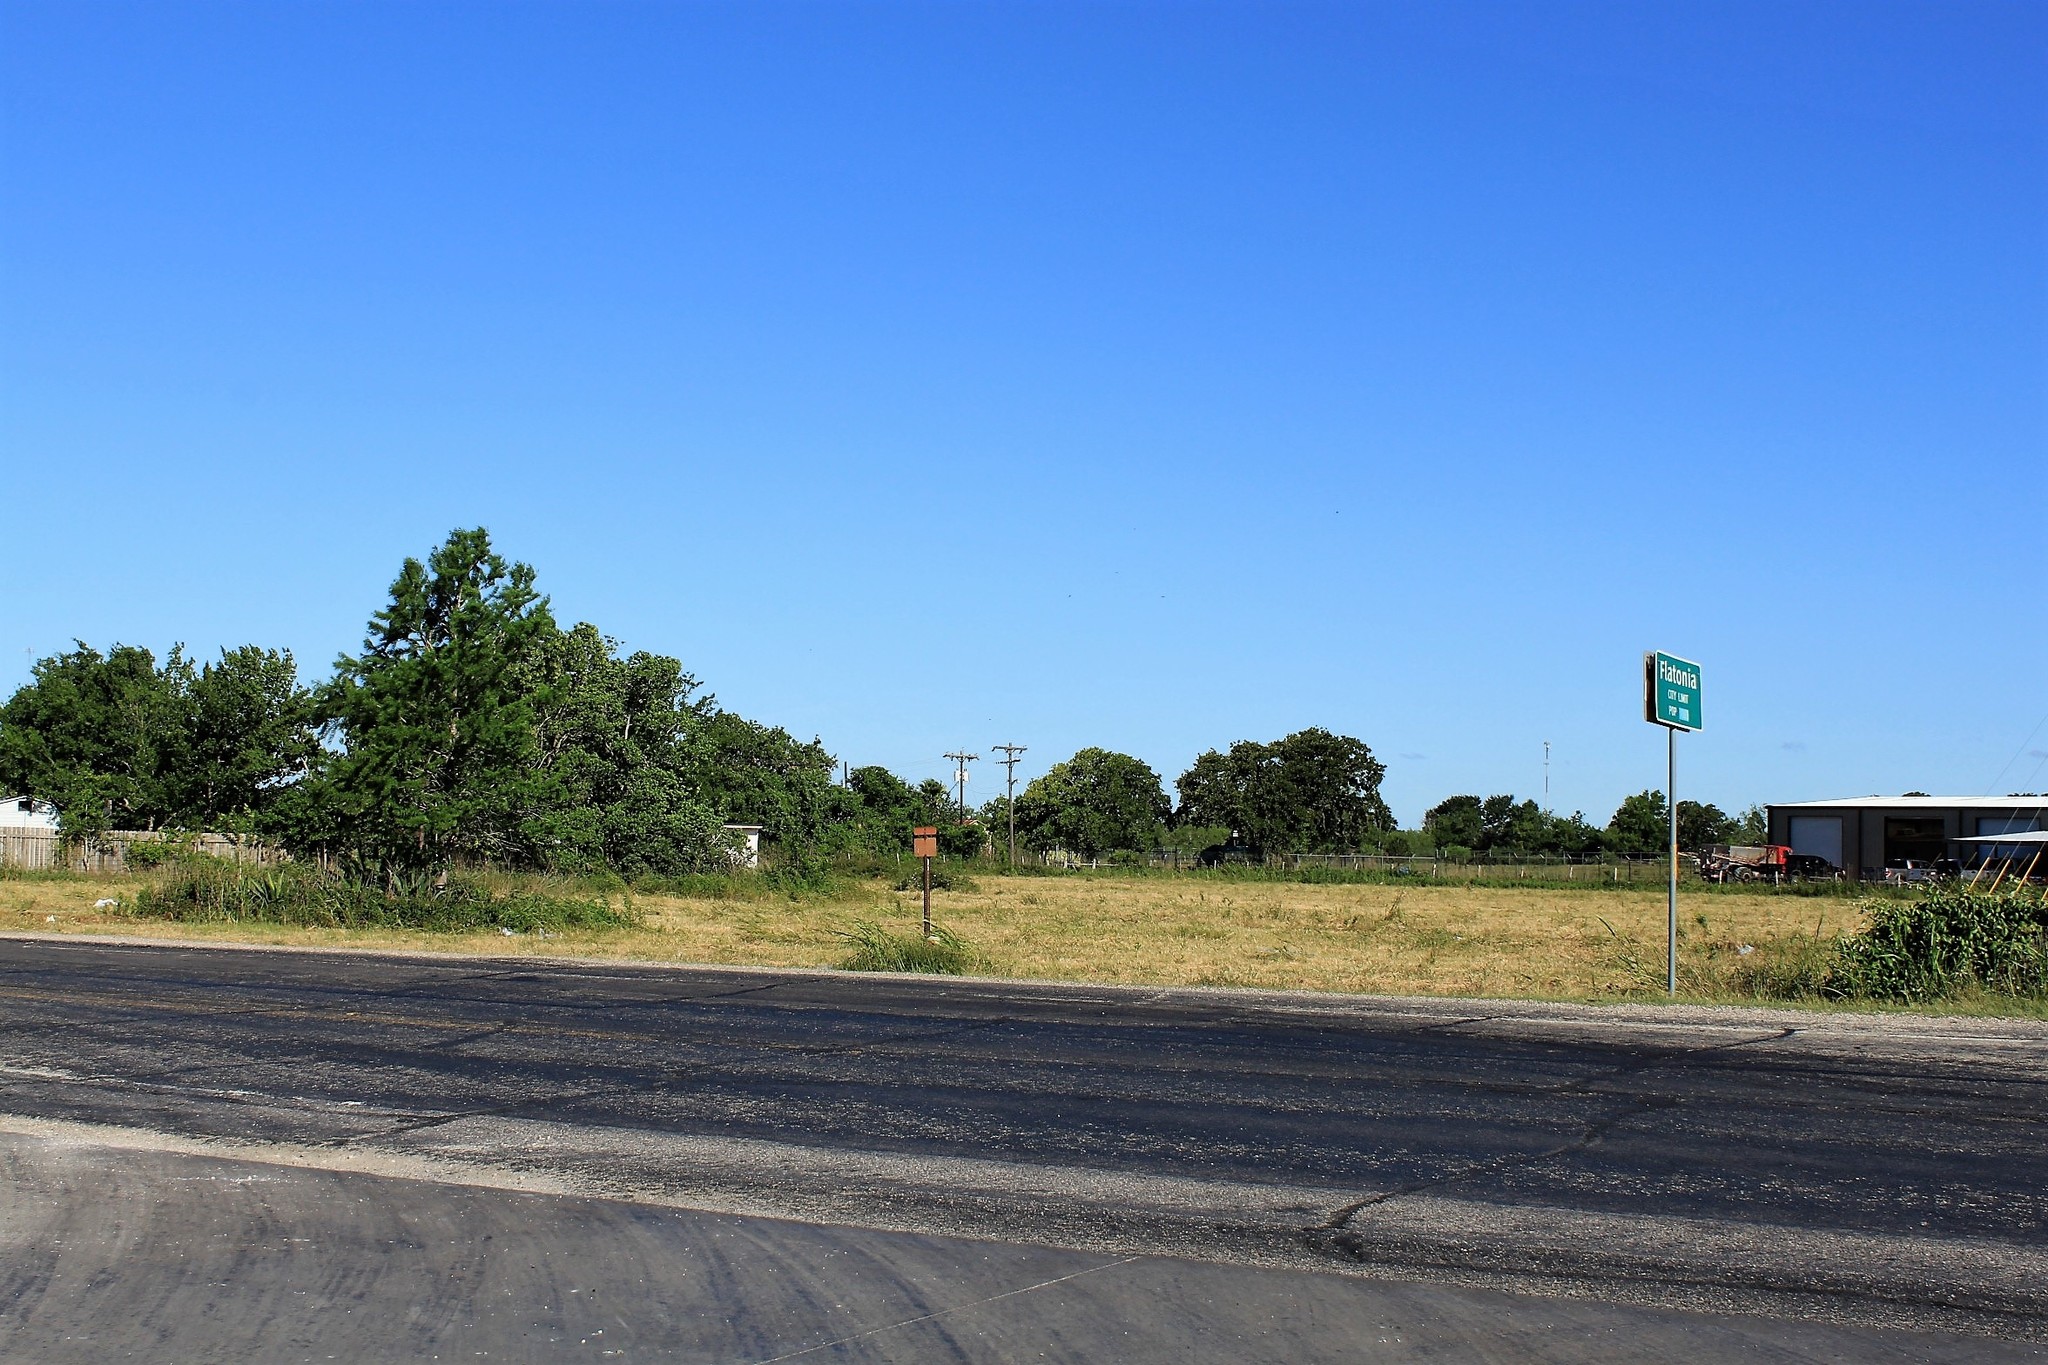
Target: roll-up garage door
(1818,836)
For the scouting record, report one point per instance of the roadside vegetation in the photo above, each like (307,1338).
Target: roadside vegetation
(479,778)
(876,949)
(1946,950)
(209,891)
(474,730)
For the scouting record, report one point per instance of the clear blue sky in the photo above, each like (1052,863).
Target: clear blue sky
(1146,376)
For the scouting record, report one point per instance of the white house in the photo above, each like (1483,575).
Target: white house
(26,812)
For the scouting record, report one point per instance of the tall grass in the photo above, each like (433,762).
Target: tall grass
(795,875)
(875,949)
(196,891)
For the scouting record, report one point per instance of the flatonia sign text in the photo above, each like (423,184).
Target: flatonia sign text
(1671,691)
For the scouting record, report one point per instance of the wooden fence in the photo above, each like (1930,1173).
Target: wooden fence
(38,850)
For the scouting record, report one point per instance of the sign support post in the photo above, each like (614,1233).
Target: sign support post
(1671,698)
(924,842)
(1671,895)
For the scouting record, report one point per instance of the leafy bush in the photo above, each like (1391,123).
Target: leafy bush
(1947,942)
(143,855)
(875,949)
(302,895)
(800,871)
(944,878)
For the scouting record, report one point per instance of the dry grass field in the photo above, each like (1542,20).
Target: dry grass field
(1424,939)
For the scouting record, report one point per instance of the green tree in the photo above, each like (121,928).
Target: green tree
(760,775)
(881,810)
(440,756)
(1495,824)
(886,805)
(1700,825)
(1753,826)
(1456,821)
(1096,802)
(249,737)
(96,736)
(613,734)
(1572,834)
(1640,824)
(1313,791)
(118,742)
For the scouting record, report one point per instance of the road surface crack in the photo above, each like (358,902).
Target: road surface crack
(1335,1233)
(1593,1133)
(420,1124)
(744,990)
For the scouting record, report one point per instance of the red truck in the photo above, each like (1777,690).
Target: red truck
(1762,863)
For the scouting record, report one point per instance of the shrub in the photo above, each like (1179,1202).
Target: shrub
(798,872)
(875,949)
(144,855)
(303,895)
(944,878)
(1947,942)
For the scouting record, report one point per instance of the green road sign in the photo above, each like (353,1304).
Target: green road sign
(1671,691)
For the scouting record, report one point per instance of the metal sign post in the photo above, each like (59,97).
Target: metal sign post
(1671,698)
(924,842)
(1671,894)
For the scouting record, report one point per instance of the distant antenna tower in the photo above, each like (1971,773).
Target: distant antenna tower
(960,777)
(1546,775)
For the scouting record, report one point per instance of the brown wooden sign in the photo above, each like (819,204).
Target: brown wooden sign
(924,841)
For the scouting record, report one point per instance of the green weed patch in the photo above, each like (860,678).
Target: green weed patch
(299,895)
(875,949)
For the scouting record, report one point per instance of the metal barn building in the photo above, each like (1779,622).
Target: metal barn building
(1864,835)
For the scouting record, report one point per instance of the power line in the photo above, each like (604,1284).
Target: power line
(1009,762)
(2016,758)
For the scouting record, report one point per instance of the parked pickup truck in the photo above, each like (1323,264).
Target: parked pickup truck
(1915,870)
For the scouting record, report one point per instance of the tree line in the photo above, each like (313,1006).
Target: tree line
(1317,792)
(472,727)
(1640,825)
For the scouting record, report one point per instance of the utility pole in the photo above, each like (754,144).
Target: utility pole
(1546,777)
(960,762)
(1009,761)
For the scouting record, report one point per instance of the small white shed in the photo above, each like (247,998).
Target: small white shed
(749,852)
(26,812)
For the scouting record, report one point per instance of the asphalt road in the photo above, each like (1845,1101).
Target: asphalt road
(271,1155)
